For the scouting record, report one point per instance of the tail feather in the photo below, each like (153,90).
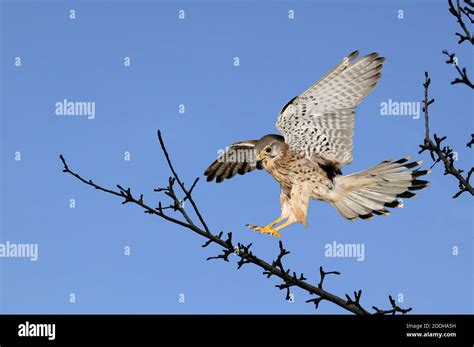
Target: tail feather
(370,192)
(383,212)
(365,201)
(376,196)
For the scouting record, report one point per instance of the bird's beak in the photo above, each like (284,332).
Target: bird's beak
(259,156)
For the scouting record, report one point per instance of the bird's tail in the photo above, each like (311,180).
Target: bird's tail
(370,192)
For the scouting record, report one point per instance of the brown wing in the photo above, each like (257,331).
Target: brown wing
(238,158)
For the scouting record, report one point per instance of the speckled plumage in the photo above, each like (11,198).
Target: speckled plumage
(317,128)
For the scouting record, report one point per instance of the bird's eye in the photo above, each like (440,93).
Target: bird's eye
(268,149)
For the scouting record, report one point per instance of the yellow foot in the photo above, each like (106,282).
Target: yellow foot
(265,230)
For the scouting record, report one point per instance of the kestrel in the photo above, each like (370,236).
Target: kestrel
(317,128)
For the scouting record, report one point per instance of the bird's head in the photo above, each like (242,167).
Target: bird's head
(269,146)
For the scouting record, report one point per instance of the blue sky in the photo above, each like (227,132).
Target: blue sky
(190,62)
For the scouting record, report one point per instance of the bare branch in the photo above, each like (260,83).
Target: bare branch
(183,188)
(356,301)
(462,72)
(458,12)
(394,310)
(471,141)
(323,275)
(439,152)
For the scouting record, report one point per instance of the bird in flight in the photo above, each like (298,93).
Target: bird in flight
(317,128)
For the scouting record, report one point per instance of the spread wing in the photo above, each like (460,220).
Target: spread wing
(320,121)
(238,158)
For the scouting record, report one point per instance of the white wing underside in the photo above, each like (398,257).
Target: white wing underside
(320,121)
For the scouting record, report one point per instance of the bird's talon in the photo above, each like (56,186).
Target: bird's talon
(253,227)
(264,230)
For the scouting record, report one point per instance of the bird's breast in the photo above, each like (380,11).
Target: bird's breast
(279,169)
(294,170)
